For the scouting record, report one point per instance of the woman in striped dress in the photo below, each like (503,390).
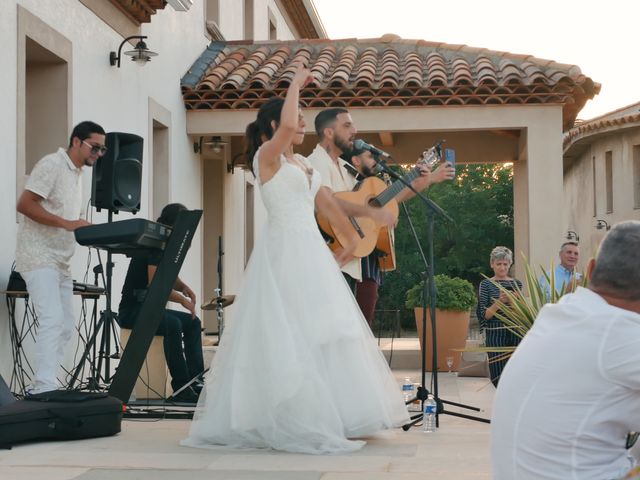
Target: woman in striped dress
(496,334)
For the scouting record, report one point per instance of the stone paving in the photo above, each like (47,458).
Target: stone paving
(148,449)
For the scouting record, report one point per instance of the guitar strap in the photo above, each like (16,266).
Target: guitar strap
(360,178)
(353,171)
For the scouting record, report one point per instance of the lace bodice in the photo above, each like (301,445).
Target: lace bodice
(289,195)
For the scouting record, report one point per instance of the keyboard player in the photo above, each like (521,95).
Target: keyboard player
(51,204)
(181,330)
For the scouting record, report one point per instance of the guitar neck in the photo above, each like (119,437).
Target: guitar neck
(396,187)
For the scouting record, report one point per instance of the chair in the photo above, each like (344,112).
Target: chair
(153,376)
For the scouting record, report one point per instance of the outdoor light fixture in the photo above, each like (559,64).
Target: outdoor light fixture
(236,161)
(602,224)
(218,145)
(214,143)
(140,53)
(572,236)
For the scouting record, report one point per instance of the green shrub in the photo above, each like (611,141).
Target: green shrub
(452,294)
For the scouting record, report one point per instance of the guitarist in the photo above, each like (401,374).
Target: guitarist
(336,132)
(362,165)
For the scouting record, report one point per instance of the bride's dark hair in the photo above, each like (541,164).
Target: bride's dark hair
(269,111)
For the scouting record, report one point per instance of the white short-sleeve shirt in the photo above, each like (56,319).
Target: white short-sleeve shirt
(338,179)
(59,182)
(570,394)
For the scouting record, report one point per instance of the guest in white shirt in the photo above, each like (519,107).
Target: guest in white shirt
(571,392)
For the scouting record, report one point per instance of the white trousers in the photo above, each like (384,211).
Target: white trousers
(51,293)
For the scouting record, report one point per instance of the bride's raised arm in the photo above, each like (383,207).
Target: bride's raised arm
(285,130)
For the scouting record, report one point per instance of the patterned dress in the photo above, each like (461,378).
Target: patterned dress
(497,334)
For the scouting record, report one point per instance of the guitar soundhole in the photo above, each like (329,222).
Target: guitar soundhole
(374,202)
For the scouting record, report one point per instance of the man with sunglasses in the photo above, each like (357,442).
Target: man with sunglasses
(51,207)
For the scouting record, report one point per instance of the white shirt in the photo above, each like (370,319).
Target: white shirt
(58,181)
(570,394)
(337,179)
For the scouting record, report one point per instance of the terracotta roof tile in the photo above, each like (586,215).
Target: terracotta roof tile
(628,116)
(386,71)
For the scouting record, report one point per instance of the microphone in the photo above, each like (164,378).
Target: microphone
(362,145)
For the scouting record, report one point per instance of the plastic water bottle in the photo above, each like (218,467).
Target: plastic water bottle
(407,389)
(429,417)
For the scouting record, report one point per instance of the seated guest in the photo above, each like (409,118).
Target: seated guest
(570,393)
(181,330)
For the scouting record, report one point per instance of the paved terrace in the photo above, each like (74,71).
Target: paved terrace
(148,449)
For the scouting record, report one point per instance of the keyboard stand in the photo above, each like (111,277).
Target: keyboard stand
(154,304)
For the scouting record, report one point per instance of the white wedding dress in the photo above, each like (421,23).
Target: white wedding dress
(298,369)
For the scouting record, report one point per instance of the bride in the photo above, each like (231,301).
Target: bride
(298,368)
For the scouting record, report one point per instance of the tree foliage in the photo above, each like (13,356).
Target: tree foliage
(480,201)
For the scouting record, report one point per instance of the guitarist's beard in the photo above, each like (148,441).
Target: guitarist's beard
(342,144)
(367,171)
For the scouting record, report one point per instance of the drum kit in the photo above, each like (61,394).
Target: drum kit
(218,303)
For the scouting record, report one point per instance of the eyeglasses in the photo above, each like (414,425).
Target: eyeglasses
(99,149)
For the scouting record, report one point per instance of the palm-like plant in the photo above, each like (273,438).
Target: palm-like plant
(523,305)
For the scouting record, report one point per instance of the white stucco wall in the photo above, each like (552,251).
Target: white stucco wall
(231,19)
(119,99)
(578,211)
(8,33)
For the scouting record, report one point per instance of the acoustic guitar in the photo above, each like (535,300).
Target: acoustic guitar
(376,193)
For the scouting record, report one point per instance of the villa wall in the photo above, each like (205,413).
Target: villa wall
(56,73)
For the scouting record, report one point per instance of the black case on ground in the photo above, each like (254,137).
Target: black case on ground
(60,415)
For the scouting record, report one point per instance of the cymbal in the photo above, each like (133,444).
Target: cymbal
(223,300)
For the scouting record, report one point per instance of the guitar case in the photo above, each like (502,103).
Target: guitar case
(58,415)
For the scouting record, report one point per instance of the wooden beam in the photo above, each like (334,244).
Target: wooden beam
(386,138)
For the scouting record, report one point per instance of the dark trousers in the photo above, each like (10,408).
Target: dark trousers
(367,297)
(352,282)
(182,342)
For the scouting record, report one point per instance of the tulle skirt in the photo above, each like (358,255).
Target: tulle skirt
(298,369)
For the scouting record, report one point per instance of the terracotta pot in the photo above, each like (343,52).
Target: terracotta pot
(452,328)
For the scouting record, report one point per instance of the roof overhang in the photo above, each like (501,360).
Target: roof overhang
(388,72)
(580,138)
(139,11)
(303,17)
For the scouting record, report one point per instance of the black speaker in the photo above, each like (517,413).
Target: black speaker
(117,176)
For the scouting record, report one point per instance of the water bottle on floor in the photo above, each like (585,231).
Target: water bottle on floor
(407,389)
(429,417)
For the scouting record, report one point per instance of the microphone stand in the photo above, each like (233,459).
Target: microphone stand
(218,291)
(429,290)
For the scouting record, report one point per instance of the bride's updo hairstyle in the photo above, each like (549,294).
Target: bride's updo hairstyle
(269,111)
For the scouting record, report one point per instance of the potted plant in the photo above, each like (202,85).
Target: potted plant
(454,300)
